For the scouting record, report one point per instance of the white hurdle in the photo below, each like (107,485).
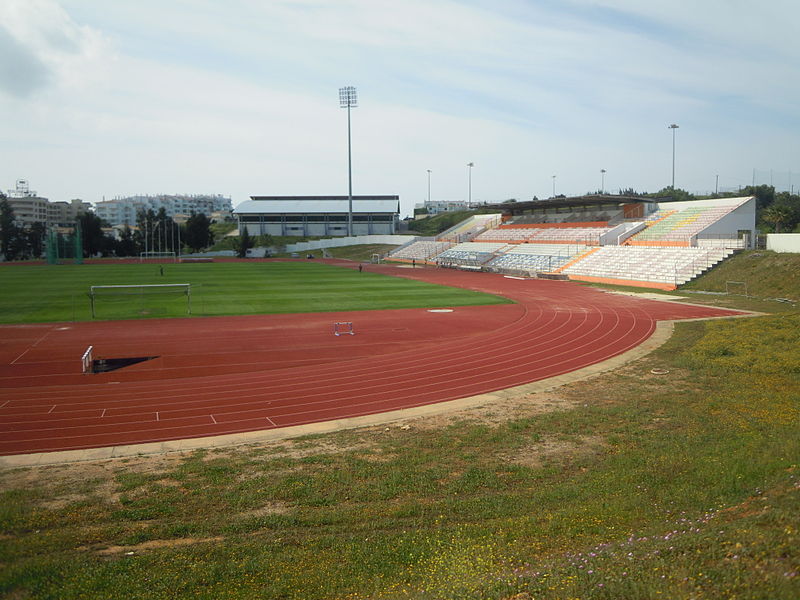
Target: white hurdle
(343,328)
(86,360)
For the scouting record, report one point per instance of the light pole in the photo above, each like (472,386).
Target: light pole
(469,196)
(348,100)
(673,127)
(554,186)
(602,180)
(429,186)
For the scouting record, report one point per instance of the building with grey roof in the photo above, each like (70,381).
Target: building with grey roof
(322,216)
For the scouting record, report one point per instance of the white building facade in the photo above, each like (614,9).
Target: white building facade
(30,208)
(123,211)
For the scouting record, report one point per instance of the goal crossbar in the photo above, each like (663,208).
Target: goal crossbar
(143,256)
(142,288)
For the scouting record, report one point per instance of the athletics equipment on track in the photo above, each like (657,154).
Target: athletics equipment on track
(343,328)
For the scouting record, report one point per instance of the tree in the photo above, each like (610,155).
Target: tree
(197,231)
(94,241)
(145,223)
(10,233)
(765,194)
(777,215)
(676,194)
(244,242)
(35,235)
(126,245)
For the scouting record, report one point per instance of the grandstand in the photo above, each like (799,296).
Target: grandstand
(663,267)
(529,259)
(559,233)
(420,250)
(470,254)
(679,227)
(470,228)
(644,242)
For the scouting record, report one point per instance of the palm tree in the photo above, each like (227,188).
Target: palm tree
(776,215)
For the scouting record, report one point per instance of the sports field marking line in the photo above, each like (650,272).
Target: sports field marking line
(52,408)
(271,422)
(213,419)
(103,414)
(157,419)
(343,416)
(4,404)
(36,343)
(582,345)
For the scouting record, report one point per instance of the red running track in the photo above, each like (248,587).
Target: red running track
(223,375)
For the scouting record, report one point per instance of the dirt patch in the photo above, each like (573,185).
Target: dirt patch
(271,508)
(153,545)
(553,449)
(302,448)
(60,502)
(495,413)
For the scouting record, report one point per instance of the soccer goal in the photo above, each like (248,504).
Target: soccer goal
(130,293)
(144,256)
(736,288)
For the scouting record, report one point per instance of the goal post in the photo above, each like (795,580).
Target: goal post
(143,256)
(106,291)
(736,288)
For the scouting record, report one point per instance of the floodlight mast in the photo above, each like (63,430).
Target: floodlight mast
(673,127)
(469,185)
(348,100)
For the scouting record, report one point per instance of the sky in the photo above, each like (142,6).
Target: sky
(108,98)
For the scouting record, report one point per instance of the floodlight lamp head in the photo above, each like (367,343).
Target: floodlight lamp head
(470,164)
(347,97)
(673,126)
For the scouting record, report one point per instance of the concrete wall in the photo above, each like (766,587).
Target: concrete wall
(783,242)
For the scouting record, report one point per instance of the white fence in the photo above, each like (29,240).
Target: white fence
(397,240)
(783,242)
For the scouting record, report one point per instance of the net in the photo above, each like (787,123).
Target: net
(143,256)
(133,296)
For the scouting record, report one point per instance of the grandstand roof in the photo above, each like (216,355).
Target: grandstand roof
(318,204)
(575,201)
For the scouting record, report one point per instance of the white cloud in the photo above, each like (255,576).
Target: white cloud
(42,46)
(241,98)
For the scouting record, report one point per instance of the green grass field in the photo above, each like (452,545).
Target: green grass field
(629,485)
(38,293)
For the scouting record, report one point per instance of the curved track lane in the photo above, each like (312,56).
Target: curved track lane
(217,376)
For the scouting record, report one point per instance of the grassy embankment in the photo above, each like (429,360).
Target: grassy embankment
(36,293)
(628,485)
